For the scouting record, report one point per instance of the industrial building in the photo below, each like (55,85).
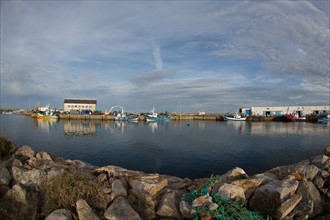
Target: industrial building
(79,104)
(282,110)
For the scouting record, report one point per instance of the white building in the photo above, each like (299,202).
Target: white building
(79,104)
(282,110)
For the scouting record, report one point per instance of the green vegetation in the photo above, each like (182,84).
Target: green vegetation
(227,209)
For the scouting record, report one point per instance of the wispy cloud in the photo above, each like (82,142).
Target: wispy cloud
(211,55)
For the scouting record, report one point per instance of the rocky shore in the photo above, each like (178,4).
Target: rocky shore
(40,185)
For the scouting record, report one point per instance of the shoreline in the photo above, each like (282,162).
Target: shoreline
(297,190)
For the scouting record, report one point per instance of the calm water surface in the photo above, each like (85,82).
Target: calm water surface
(191,149)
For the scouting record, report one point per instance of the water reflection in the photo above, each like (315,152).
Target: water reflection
(72,127)
(44,125)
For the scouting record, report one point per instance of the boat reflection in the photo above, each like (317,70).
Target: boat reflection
(79,128)
(44,125)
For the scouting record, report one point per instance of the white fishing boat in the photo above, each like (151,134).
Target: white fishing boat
(235,117)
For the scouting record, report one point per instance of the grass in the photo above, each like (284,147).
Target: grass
(64,191)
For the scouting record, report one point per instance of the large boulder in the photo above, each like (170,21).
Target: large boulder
(4,175)
(300,171)
(29,178)
(25,151)
(230,191)
(120,209)
(168,207)
(85,212)
(60,214)
(234,174)
(117,189)
(311,204)
(6,147)
(149,184)
(270,197)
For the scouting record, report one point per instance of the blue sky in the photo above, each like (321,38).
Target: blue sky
(213,56)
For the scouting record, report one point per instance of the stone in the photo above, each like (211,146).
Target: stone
(150,184)
(234,174)
(17,193)
(102,177)
(248,185)
(286,207)
(302,171)
(117,189)
(319,160)
(230,191)
(167,206)
(327,151)
(265,177)
(85,212)
(28,178)
(116,171)
(25,151)
(6,147)
(185,209)
(120,209)
(5,176)
(43,156)
(311,204)
(60,214)
(269,197)
(319,182)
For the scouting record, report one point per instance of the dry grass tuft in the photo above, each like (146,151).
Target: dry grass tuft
(64,191)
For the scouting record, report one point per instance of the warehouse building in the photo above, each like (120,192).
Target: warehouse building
(282,110)
(79,104)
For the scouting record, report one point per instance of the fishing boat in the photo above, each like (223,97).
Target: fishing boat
(323,118)
(294,117)
(153,116)
(235,117)
(46,113)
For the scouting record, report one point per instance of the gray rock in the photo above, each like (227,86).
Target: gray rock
(248,185)
(319,160)
(185,209)
(85,212)
(167,206)
(150,184)
(28,178)
(116,171)
(234,174)
(230,191)
(43,156)
(25,151)
(311,204)
(268,198)
(60,214)
(120,209)
(301,171)
(327,151)
(286,207)
(118,189)
(17,193)
(6,147)
(5,176)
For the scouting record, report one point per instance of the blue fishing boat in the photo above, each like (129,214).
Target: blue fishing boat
(153,116)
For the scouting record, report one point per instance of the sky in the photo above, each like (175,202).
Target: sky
(175,56)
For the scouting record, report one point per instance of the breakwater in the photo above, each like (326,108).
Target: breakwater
(43,186)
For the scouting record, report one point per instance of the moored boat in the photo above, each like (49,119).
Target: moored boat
(47,115)
(153,116)
(294,117)
(235,117)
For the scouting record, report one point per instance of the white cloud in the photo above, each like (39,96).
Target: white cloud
(206,53)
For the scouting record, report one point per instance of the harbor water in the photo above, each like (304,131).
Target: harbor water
(187,148)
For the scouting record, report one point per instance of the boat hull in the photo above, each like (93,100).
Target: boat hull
(151,119)
(294,119)
(48,117)
(234,119)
